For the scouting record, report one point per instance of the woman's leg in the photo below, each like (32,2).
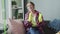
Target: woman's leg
(33,31)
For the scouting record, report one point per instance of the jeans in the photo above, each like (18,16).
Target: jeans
(33,31)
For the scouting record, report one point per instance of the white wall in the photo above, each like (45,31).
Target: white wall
(0,12)
(5,6)
(49,8)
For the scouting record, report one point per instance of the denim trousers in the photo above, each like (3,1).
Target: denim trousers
(33,31)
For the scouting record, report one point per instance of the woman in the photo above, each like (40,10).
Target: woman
(33,20)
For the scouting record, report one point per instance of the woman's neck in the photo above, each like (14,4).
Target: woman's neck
(33,11)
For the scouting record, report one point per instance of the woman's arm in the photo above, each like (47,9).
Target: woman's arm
(27,24)
(40,21)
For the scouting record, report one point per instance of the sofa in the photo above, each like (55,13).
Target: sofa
(17,27)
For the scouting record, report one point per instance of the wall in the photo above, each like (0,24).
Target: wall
(49,8)
(0,12)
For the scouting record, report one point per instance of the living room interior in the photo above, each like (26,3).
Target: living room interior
(12,14)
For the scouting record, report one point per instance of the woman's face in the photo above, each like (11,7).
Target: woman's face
(30,7)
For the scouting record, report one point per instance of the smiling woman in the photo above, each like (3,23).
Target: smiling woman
(33,20)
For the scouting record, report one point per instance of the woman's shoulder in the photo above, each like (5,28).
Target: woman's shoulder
(38,12)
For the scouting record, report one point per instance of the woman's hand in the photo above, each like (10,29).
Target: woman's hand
(27,29)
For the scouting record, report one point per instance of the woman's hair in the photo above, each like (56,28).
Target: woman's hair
(31,3)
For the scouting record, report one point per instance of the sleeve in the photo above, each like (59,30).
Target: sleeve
(27,24)
(40,18)
(40,21)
